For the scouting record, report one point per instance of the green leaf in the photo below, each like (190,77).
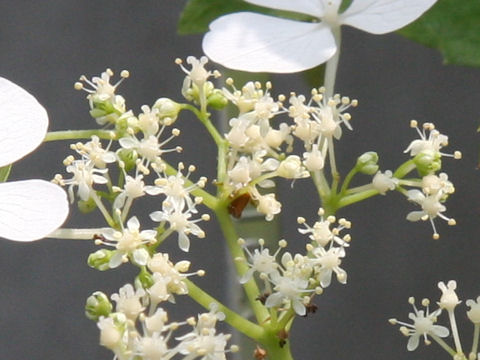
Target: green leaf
(197,14)
(452,27)
(5,172)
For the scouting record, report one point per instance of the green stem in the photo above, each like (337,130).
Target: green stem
(78,134)
(238,256)
(204,118)
(243,325)
(476,333)
(332,65)
(352,199)
(404,169)
(444,345)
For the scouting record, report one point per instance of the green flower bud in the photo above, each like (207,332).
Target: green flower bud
(168,110)
(100,259)
(367,163)
(128,157)
(86,206)
(428,162)
(144,279)
(97,305)
(217,100)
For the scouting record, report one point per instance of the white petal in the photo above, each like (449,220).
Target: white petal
(413,342)
(309,7)
(383,16)
(415,215)
(31,209)
(259,43)
(23,121)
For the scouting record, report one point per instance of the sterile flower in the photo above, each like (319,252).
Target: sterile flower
(29,209)
(253,42)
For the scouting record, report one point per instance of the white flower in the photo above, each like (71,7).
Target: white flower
(382,182)
(253,42)
(129,242)
(474,312)
(423,325)
(129,301)
(29,209)
(449,299)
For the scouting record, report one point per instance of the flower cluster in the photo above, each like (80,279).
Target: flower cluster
(291,282)
(138,161)
(424,323)
(140,329)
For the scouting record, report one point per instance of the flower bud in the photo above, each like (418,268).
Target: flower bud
(367,163)
(428,162)
(168,110)
(97,305)
(86,206)
(144,279)
(217,100)
(128,157)
(100,259)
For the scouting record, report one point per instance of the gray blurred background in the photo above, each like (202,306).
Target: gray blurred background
(46,45)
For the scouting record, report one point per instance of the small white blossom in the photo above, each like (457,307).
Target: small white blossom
(129,241)
(423,325)
(382,182)
(129,301)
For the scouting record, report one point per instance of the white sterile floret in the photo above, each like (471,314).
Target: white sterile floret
(128,242)
(129,301)
(423,325)
(260,43)
(31,209)
(382,182)
(474,312)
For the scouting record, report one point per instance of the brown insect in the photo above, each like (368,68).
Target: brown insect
(236,206)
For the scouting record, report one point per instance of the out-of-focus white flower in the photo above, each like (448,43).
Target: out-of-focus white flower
(253,42)
(29,209)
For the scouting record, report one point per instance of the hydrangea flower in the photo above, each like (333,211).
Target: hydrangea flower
(253,42)
(30,209)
